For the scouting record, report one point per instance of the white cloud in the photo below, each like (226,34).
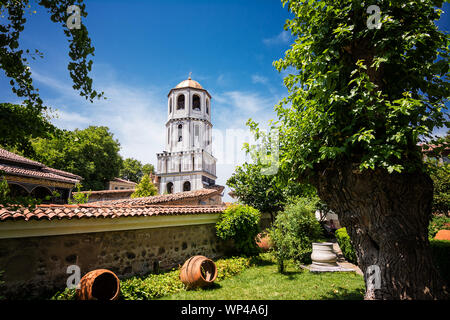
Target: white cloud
(246,102)
(136,116)
(259,79)
(283,37)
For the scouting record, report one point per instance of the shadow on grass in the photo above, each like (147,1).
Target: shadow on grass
(340,293)
(213,286)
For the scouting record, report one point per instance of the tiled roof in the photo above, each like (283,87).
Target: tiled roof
(13,164)
(62,173)
(90,210)
(35,173)
(130,191)
(9,156)
(123,181)
(201,193)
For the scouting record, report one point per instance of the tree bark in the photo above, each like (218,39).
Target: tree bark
(386,216)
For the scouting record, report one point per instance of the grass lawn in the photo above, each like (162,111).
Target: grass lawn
(263,282)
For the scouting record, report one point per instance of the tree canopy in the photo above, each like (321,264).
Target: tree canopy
(358,94)
(14,61)
(133,169)
(91,153)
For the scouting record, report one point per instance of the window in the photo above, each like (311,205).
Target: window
(180,102)
(180,132)
(187,186)
(170,105)
(168,135)
(207,106)
(196,102)
(170,187)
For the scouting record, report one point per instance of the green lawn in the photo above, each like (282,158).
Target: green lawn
(264,282)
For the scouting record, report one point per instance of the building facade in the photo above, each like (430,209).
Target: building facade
(187,162)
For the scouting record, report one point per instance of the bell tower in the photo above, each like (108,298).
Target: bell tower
(187,164)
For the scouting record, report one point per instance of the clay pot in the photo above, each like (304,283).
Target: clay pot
(323,254)
(100,284)
(442,235)
(198,271)
(263,241)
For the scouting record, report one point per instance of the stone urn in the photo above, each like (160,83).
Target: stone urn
(323,254)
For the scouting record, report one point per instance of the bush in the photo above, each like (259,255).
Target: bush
(440,251)
(438,222)
(227,268)
(294,231)
(440,173)
(345,244)
(240,223)
(152,286)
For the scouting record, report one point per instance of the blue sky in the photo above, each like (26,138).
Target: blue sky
(145,48)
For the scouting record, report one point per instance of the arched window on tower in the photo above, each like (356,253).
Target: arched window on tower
(207,106)
(180,102)
(170,187)
(170,105)
(187,186)
(180,132)
(196,102)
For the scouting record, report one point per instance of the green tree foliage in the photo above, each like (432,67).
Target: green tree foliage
(91,153)
(240,223)
(264,192)
(145,188)
(131,170)
(30,119)
(294,231)
(19,125)
(80,198)
(345,99)
(440,173)
(147,169)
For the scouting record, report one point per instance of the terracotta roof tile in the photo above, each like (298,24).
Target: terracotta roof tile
(12,157)
(57,212)
(201,193)
(15,165)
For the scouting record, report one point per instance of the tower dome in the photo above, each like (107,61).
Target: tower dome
(189,83)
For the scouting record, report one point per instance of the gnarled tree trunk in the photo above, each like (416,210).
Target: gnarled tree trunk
(386,216)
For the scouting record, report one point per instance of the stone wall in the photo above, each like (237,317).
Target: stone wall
(35,267)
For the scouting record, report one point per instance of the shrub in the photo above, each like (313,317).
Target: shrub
(345,244)
(440,251)
(145,188)
(438,222)
(152,286)
(294,231)
(240,223)
(440,173)
(66,294)
(227,268)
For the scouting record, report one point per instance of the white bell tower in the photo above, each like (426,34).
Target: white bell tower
(187,164)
